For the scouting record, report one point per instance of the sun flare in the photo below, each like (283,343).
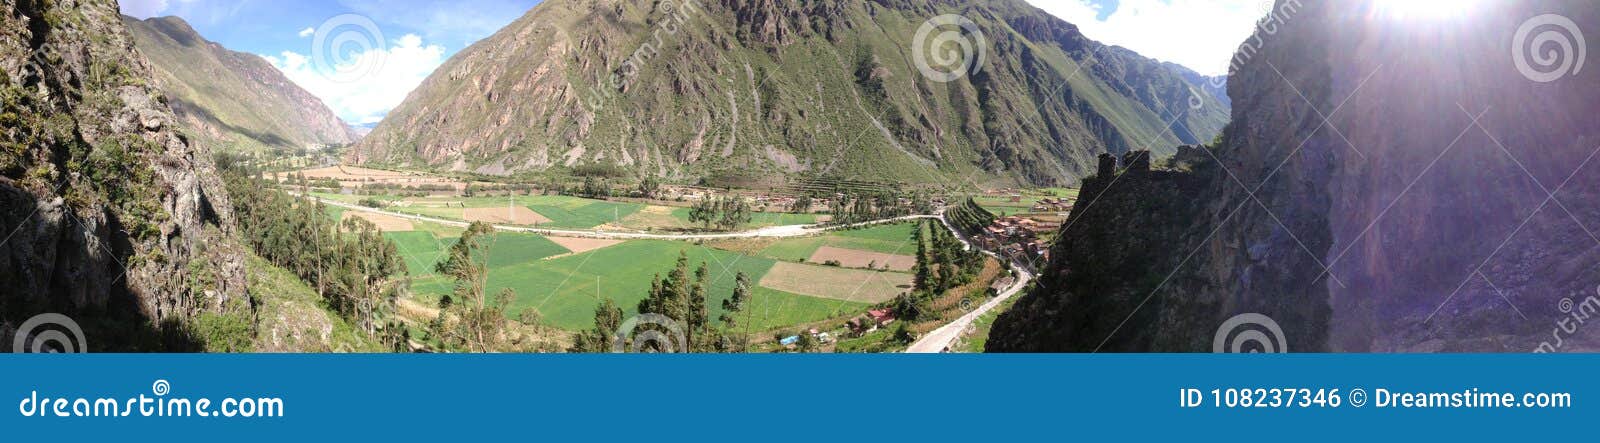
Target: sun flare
(1425,9)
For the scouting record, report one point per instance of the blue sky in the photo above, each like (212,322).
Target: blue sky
(371,62)
(387,49)
(1199,34)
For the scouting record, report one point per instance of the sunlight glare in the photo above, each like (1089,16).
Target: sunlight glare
(1424,9)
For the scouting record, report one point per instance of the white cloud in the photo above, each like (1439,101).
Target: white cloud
(307,32)
(143,8)
(401,67)
(1199,34)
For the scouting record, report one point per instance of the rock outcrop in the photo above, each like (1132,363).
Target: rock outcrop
(1388,184)
(109,215)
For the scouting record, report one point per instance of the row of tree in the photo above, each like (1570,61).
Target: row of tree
(943,263)
(726,212)
(350,264)
(683,299)
(857,208)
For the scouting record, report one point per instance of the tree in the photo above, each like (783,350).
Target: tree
(734,211)
(801,205)
(650,186)
(477,324)
(698,333)
(807,343)
(731,341)
(607,319)
(735,304)
(923,275)
(703,211)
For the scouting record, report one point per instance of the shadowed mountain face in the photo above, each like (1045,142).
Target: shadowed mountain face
(773,88)
(1386,185)
(234,101)
(107,213)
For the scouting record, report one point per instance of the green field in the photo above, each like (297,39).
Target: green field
(999,205)
(888,239)
(422,250)
(565,290)
(578,213)
(563,212)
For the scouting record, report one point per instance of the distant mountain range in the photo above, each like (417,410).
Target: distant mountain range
(234,101)
(764,90)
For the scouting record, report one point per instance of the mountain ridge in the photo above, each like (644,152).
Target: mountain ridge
(233,100)
(819,88)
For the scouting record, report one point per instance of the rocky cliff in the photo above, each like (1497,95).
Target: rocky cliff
(107,213)
(1389,183)
(770,88)
(233,101)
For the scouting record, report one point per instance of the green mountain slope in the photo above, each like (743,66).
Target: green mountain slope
(774,89)
(233,101)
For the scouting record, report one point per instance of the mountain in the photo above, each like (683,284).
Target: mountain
(1450,195)
(234,101)
(770,89)
(111,215)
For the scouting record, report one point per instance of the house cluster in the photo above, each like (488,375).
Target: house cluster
(1050,204)
(794,340)
(1016,237)
(871,321)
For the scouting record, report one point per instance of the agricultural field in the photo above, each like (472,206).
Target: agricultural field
(565,287)
(852,285)
(355,176)
(893,239)
(562,212)
(1002,204)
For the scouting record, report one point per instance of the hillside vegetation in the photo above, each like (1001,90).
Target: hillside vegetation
(775,90)
(233,101)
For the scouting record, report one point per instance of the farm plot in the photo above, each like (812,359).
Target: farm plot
(385,223)
(836,283)
(422,250)
(514,215)
(851,258)
(892,239)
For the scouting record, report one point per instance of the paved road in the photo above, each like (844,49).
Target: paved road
(941,339)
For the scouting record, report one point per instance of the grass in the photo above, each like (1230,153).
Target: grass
(975,342)
(1004,204)
(293,316)
(563,212)
(888,239)
(570,212)
(422,249)
(579,213)
(566,290)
